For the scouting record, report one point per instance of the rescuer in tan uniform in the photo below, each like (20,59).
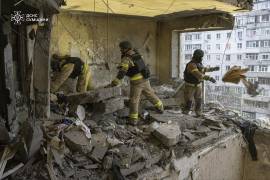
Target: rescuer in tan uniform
(133,66)
(194,74)
(65,67)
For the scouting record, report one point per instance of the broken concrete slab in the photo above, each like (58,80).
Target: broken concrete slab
(170,102)
(123,112)
(91,124)
(152,173)
(94,95)
(114,141)
(139,154)
(109,105)
(190,136)
(168,134)
(184,121)
(68,172)
(152,127)
(77,141)
(204,140)
(125,154)
(133,168)
(107,162)
(153,159)
(91,166)
(98,153)
(99,139)
(82,173)
(210,136)
(165,117)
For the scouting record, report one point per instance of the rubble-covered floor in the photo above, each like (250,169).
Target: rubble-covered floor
(87,137)
(114,149)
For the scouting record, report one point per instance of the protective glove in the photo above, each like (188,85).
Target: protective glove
(212,80)
(216,68)
(208,78)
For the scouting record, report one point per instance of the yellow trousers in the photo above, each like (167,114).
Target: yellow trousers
(193,92)
(137,88)
(60,77)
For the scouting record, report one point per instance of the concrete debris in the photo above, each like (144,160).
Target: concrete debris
(152,127)
(168,134)
(139,154)
(184,121)
(189,135)
(99,144)
(153,159)
(114,141)
(167,103)
(91,166)
(133,168)
(109,106)
(107,162)
(77,141)
(165,117)
(98,153)
(125,154)
(164,91)
(152,173)
(94,96)
(122,113)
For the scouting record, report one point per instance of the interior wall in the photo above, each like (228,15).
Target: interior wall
(165,36)
(85,35)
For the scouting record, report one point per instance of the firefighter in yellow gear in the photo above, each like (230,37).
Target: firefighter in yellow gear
(194,74)
(65,67)
(133,66)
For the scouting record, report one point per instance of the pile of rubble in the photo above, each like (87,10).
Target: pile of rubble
(97,143)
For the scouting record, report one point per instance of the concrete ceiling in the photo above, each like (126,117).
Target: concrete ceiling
(149,8)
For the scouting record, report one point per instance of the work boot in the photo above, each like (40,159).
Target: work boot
(187,107)
(198,107)
(185,111)
(160,109)
(198,114)
(133,121)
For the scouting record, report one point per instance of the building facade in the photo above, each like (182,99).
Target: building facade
(247,45)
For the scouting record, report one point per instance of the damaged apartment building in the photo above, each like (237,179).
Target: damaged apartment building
(85,135)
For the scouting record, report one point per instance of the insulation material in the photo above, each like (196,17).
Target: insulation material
(150,8)
(234,75)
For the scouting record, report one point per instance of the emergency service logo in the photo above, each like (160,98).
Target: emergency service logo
(17,18)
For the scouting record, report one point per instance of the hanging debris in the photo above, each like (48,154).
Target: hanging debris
(236,74)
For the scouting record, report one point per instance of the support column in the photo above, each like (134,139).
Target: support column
(42,71)
(7,88)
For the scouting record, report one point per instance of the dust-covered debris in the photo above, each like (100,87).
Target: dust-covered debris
(87,144)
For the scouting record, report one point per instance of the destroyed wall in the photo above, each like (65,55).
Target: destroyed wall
(85,35)
(168,38)
(220,160)
(259,169)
